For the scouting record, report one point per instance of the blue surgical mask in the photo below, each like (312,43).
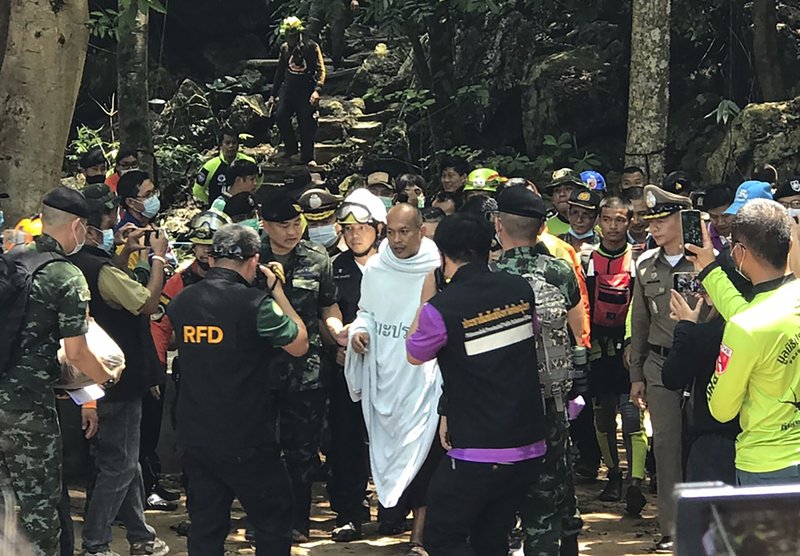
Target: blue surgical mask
(585,235)
(108,241)
(151,206)
(324,235)
(253,223)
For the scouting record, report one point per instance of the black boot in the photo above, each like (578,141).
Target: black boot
(612,492)
(569,546)
(634,499)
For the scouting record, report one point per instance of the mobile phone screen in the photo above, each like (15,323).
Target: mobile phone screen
(690,228)
(687,284)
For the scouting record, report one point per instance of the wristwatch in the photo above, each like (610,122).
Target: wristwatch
(108,384)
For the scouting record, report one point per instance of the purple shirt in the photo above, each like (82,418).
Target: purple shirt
(423,345)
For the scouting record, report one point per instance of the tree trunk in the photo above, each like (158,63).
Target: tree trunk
(765,51)
(648,98)
(132,90)
(41,65)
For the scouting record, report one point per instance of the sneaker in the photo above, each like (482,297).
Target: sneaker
(299,537)
(634,499)
(106,552)
(166,494)
(347,533)
(156,547)
(182,528)
(612,492)
(155,502)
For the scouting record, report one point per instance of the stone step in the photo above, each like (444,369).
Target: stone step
(383,116)
(366,130)
(332,128)
(324,153)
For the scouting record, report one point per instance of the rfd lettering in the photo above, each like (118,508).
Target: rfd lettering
(202,334)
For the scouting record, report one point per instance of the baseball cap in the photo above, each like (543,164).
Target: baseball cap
(788,188)
(565,176)
(589,200)
(68,200)
(521,201)
(748,191)
(278,206)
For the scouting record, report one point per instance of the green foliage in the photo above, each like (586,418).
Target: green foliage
(725,110)
(178,164)
(106,23)
(413,100)
(87,139)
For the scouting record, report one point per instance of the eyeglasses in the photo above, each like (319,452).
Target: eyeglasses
(353,213)
(128,165)
(152,193)
(791,204)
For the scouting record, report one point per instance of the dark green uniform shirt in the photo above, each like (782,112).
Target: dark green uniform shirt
(309,287)
(557,272)
(57,307)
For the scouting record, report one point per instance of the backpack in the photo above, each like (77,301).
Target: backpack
(612,290)
(17,271)
(553,347)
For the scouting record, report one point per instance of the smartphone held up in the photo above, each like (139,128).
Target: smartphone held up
(691,229)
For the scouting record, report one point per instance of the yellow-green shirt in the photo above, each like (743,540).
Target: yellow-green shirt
(758,375)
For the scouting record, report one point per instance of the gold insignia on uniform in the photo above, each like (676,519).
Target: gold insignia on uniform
(795,185)
(558,174)
(584,196)
(84,294)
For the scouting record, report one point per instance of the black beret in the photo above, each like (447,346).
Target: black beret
(521,201)
(240,204)
(278,206)
(68,200)
(788,188)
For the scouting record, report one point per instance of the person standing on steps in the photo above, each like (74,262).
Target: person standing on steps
(296,90)
(338,15)
(212,180)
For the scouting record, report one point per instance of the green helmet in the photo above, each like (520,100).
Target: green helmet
(203,226)
(292,24)
(484,179)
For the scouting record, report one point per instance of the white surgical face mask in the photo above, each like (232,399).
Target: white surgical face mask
(325,235)
(78,244)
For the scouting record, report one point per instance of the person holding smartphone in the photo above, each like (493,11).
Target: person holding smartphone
(651,339)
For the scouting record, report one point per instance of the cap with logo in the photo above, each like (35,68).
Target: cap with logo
(279,206)
(521,201)
(565,176)
(319,204)
(241,204)
(661,204)
(67,200)
(677,182)
(788,188)
(590,200)
(484,179)
(748,191)
(594,180)
(101,194)
(361,207)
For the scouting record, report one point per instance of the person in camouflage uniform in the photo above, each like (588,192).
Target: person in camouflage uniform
(336,13)
(30,438)
(549,513)
(301,394)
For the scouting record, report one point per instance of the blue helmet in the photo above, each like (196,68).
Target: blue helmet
(594,180)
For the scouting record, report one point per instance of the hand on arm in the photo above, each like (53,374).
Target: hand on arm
(159,244)
(299,346)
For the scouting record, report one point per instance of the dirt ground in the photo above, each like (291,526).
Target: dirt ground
(606,532)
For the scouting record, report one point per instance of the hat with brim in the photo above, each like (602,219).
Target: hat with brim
(789,188)
(748,191)
(319,204)
(565,176)
(586,199)
(661,204)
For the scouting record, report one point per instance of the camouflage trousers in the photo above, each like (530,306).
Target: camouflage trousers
(300,421)
(549,510)
(30,463)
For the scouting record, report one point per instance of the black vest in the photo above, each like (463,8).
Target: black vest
(489,362)
(223,403)
(130,332)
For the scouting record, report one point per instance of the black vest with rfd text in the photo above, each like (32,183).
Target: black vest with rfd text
(489,363)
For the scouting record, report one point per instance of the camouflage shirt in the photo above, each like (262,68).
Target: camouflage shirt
(309,288)
(57,307)
(521,260)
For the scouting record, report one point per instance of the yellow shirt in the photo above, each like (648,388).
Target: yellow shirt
(121,291)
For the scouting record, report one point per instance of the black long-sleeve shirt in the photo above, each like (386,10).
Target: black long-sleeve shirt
(303,61)
(693,356)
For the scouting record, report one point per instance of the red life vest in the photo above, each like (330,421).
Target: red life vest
(612,288)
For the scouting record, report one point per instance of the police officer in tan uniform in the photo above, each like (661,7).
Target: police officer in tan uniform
(651,338)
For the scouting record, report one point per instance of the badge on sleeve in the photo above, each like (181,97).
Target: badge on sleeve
(724,358)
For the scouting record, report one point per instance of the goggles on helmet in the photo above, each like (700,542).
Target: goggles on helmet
(353,213)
